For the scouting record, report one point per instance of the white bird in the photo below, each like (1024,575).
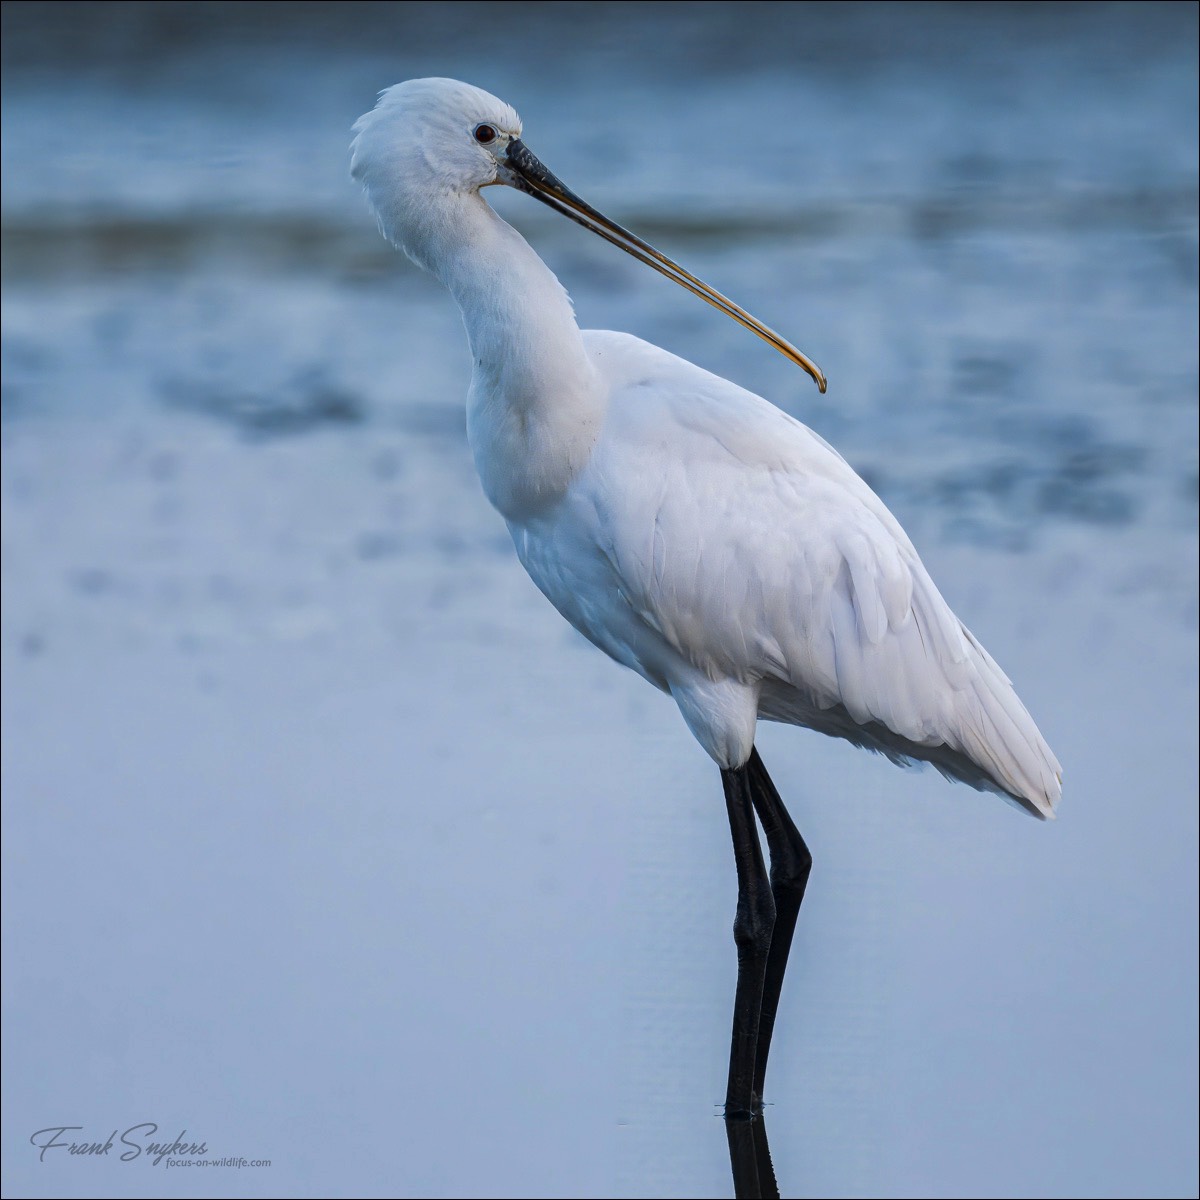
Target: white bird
(691,530)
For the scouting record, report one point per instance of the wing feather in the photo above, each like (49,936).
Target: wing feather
(760,556)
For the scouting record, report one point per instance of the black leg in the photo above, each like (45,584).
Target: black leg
(790,865)
(752,932)
(767,1185)
(743,1159)
(750,1158)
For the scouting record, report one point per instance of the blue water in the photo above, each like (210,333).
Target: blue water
(328,842)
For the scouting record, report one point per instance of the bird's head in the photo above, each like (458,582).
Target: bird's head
(429,139)
(427,136)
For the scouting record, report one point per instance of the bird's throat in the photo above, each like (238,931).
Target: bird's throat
(535,403)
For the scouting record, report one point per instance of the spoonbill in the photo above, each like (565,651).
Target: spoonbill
(688,528)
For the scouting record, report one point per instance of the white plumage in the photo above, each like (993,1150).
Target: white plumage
(690,529)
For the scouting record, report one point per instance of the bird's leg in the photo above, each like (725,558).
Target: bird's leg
(790,865)
(750,1160)
(752,932)
(768,1186)
(743,1159)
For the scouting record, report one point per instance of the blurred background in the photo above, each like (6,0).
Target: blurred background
(328,842)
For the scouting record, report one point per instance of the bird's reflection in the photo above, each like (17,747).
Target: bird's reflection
(750,1159)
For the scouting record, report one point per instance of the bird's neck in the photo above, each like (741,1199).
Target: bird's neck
(535,403)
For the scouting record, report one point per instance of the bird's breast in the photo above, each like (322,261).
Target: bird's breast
(530,444)
(563,551)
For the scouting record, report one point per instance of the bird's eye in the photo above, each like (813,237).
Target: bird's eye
(485,134)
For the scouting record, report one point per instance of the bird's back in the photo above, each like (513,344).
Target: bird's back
(730,538)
